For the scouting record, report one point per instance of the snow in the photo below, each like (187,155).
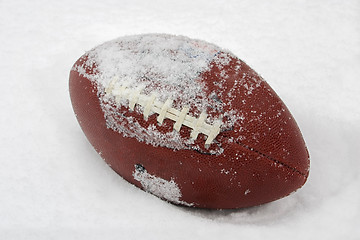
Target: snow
(148,59)
(147,70)
(53,185)
(162,188)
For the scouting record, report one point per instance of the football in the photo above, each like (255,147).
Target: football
(188,122)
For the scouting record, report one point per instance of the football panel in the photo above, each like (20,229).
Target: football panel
(263,122)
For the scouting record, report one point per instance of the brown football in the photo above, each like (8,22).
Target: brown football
(188,122)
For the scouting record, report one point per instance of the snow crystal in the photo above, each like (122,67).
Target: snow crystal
(175,62)
(162,188)
(163,65)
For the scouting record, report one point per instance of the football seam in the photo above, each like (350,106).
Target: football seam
(273,159)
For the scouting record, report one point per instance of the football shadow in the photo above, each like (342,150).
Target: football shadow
(263,214)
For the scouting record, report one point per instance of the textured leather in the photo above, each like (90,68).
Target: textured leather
(263,156)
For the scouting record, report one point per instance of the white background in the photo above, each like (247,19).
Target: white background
(53,185)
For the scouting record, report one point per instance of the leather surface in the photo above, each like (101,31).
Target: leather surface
(265,160)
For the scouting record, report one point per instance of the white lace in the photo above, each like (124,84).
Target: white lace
(165,110)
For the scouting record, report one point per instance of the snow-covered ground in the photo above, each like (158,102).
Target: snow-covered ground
(53,185)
